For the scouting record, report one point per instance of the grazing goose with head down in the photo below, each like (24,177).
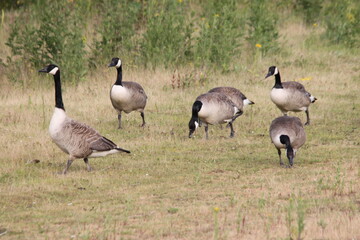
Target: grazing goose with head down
(75,138)
(213,108)
(287,132)
(290,96)
(126,96)
(235,95)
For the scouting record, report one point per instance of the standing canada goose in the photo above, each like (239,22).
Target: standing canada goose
(126,96)
(213,108)
(235,95)
(287,132)
(75,138)
(290,96)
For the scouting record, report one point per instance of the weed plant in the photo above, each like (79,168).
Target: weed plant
(342,20)
(310,10)
(220,32)
(57,37)
(262,26)
(167,40)
(116,31)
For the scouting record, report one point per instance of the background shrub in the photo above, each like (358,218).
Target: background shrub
(342,19)
(309,9)
(116,30)
(167,39)
(220,32)
(262,26)
(56,36)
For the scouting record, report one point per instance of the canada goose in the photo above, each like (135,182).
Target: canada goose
(213,108)
(234,95)
(75,138)
(126,96)
(290,96)
(287,132)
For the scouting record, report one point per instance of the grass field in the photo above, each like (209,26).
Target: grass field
(173,187)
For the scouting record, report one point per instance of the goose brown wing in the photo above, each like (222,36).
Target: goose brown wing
(102,144)
(89,135)
(294,85)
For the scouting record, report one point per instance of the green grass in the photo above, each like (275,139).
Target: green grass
(170,185)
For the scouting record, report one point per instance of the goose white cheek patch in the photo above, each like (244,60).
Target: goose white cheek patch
(54,71)
(276,71)
(118,64)
(196,125)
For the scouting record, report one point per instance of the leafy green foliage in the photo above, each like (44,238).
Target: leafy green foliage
(342,19)
(310,10)
(167,40)
(220,34)
(56,37)
(116,30)
(262,26)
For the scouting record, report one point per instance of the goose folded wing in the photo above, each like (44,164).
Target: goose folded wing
(102,144)
(294,85)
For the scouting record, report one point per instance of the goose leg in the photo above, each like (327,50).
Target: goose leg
(307,117)
(206,131)
(281,162)
(143,119)
(119,118)
(88,167)
(232,132)
(68,164)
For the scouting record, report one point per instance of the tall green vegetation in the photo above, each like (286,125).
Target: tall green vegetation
(220,32)
(342,20)
(310,10)
(262,26)
(167,40)
(55,35)
(156,33)
(116,30)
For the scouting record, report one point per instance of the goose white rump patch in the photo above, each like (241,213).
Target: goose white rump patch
(96,154)
(247,102)
(277,142)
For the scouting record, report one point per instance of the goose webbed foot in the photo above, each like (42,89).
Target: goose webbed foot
(68,164)
(88,167)
(119,118)
(143,119)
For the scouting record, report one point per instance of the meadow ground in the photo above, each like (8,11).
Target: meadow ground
(173,187)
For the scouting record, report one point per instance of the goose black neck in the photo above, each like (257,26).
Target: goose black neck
(119,76)
(278,81)
(196,109)
(58,96)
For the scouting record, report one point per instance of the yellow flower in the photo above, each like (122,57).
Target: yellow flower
(180,1)
(216,209)
(315,25)
(216,15)
(350,17)
(258,45)
(306,79)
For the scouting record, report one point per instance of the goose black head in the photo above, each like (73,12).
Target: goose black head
(284,139)
(272,71)
(115,62)
(193,125)
(194,121)
(51,69)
